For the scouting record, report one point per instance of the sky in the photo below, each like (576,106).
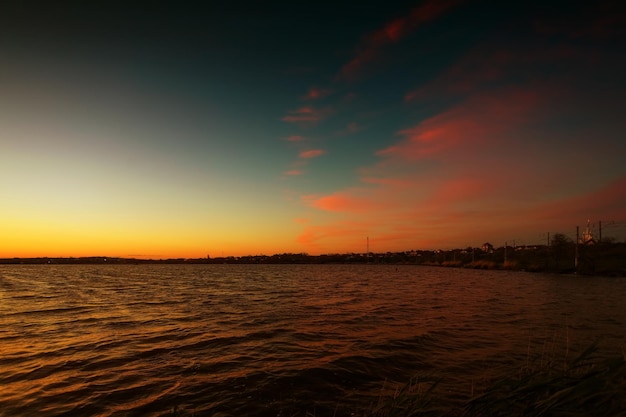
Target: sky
(170,129)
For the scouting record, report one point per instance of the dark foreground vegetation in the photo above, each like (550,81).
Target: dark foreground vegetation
(546,386)
(584,386)
(607,258)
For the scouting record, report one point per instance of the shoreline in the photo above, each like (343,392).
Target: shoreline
(606,259)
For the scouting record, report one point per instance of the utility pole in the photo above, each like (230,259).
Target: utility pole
(505,245)
(548,239)
(600,231)
(576,255)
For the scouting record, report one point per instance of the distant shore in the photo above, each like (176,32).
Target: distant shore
(605,259)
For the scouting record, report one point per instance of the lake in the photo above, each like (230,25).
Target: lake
(280,340)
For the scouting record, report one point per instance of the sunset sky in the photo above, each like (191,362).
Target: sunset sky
(176,130)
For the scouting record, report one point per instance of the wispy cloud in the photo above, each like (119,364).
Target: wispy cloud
(315,93)
(344,201)
(298,166)
(294,138)
(477,121)
(293,172)
(311,153)
(372,44)
(307,115)
(350,129)
(489,66)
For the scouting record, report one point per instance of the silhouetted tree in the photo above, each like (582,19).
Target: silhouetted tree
(561,247)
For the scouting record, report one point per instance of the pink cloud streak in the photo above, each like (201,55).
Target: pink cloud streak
(311,153)
(293,172)
(343,202)
(477,121)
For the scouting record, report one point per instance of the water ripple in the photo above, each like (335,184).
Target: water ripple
(85,340)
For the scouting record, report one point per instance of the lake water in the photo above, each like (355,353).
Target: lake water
(279,340)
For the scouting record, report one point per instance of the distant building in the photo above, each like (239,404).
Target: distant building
(487,247)
(587,237)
